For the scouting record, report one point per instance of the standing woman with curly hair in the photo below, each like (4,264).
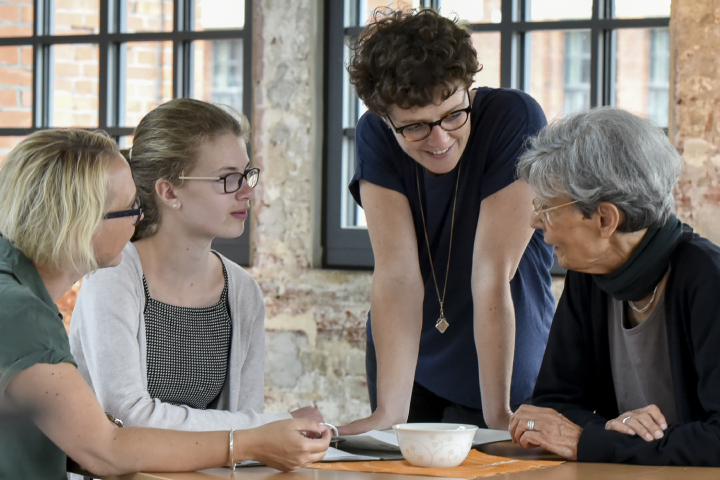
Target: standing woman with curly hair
(461,300)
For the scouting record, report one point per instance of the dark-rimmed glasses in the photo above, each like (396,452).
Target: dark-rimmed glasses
(232,181)
(420,131)
(135,211)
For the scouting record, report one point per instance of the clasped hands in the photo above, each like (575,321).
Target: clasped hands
(554,432)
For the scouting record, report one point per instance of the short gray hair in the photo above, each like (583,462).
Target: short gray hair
(605,155)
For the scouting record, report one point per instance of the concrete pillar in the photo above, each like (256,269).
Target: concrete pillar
(315,318)
(694,122)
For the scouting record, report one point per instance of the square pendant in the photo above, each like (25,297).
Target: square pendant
(442,324)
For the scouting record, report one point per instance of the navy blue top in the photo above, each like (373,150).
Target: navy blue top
(501,121)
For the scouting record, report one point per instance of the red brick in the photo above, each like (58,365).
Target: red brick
(26,98)
(15,77)
(9,55)
(84,103)
(85,86)
(147,58)
(92,20)
(27,14)
(135,73)
(15,118)
(9,13)
(8,97)
(8,143)
(91,71)
(15,31)
(60,85)
(27,56)
(63,69)
(85,120)
(85,52)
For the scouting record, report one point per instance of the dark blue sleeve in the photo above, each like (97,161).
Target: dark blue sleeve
(509,118)
(376,154)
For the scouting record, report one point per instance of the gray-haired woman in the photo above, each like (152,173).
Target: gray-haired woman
(630,374)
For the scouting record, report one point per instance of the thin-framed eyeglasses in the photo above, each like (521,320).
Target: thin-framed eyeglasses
(540,209)
(450,122)
(135,211)
(233,181)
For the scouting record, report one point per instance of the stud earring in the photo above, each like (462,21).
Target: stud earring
(174,205)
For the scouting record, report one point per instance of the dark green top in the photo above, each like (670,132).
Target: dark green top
(31,331)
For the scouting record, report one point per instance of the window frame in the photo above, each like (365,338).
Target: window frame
(349,248)
(110,41)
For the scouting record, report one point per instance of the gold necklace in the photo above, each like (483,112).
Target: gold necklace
(442,323)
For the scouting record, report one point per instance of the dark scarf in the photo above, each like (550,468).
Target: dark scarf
(639,275)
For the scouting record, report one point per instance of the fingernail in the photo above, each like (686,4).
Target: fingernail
(648,436)
(663,426)
(658,434)
(631,431)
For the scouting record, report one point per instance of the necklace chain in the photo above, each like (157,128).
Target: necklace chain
(645,308)
(442,322)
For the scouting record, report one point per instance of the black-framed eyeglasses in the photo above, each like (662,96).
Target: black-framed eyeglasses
(450,122)
(233,181)
(135,211)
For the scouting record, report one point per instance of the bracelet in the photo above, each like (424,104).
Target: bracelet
(232,451)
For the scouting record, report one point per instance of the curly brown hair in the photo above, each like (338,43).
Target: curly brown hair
(406,57)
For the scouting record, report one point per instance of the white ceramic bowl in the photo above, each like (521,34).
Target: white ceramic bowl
(436,445)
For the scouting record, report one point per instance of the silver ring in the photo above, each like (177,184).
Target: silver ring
(332,428)
(626,419)
(531,425)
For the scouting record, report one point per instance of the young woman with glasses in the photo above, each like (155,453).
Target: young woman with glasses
(175,336)
(461,301)
(68,206)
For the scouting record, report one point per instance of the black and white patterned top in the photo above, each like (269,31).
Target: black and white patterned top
(188,350)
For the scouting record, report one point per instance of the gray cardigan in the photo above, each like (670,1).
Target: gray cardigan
(107,338)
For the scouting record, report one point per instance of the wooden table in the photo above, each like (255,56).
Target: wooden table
(566,471)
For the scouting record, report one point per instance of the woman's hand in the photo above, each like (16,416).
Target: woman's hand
(285,445)
(648,422)
(308,412)
(550,430)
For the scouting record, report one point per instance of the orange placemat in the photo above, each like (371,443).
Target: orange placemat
(476,465)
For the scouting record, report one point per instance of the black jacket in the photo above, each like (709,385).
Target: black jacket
(576,380)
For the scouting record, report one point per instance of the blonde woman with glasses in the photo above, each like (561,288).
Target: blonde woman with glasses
(175,336)
(68,206)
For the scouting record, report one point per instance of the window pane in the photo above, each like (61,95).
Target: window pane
(488,50)
(16,18)
(642,69)
(15,87)
(218,75)
(75,85)
(367,7)
(352,215)
(219,14)
(641,8)
(125,141)
(148,16)
(558,70)
(76,17)
(148,79)
(476,11)
(544,10)
(7,144)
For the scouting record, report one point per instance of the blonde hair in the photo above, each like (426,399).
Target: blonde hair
(53,191)
(166,144)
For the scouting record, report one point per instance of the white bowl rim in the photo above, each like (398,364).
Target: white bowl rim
(435,427)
